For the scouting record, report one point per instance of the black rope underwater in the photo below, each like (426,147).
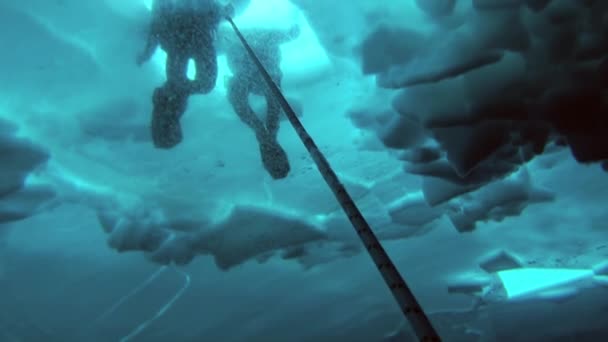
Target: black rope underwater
(402,293)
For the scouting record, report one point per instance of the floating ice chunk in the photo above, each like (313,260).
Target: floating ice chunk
(401,132)
(178,248)
(264,257)
(413,210)
(25,202)
(421,154)
(439,169)
(296,252)
(468,146)
(601,281)
(408,77)
(502,29)
(469,285)
(493,82)
(445,101)
(528,282)
(392,129)
(499,261)
(148,230)
(496,167)
(601,269)
(366,118)
(108,219)
(249,231)
(131,235)
(437,191)
(18,158)
(436,67)
(368,141)
(386,47)
(498,200)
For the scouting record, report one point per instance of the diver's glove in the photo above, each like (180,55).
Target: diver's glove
(144,56)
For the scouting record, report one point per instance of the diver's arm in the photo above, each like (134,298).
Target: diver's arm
(158,20)
(151,45)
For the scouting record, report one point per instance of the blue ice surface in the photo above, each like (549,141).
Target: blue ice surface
(131,243)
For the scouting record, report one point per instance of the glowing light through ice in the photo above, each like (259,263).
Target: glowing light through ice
(148,4)
(527,281)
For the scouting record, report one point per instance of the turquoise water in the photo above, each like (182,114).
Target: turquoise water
(471,137)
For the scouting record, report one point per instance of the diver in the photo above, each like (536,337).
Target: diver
(246,80)
(184,29)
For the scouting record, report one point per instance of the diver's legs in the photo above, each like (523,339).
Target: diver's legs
(169,104)
(176,69)
(238,96)
(206,71)
(273,156)
(273,111)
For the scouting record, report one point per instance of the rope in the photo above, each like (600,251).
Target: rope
(405,298)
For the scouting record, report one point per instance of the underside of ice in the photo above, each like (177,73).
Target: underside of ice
(471,135)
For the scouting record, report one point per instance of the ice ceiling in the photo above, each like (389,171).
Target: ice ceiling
(472,134)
